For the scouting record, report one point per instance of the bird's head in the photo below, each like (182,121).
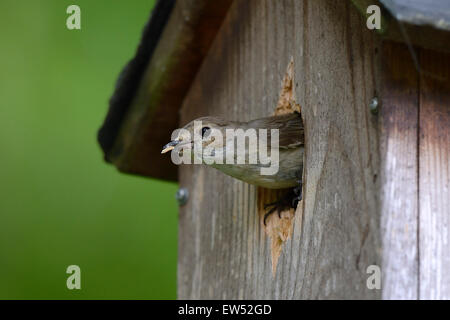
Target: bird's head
(204,131)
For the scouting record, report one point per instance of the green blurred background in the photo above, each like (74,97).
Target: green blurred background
(60,204)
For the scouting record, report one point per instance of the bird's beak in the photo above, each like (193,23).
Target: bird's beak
(170,146)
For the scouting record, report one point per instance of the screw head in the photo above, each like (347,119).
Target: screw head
(182,196)
(373,105)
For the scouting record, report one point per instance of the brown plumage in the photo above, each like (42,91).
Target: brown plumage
(291,141)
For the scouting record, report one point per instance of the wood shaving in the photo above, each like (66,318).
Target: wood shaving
(279,227)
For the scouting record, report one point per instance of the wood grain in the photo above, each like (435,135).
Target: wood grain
(399,173)
(434,175)
(223,251)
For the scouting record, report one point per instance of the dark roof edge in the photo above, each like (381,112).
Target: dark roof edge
(128,82)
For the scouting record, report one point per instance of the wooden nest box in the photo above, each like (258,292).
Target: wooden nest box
(376,109)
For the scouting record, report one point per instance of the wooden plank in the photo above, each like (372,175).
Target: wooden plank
(154,111)
(223,252)
(434,175)
(421,36)
(399,173)
(130,76)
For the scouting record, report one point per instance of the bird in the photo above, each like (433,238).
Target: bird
(214,137)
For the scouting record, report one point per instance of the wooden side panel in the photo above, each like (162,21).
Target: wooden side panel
(434,175)
(223,251)
(399,173)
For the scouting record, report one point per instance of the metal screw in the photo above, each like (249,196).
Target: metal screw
(373,105)
(182,196)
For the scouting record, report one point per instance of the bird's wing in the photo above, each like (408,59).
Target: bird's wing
(290,126)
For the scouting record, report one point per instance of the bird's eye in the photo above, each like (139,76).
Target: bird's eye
(204,131)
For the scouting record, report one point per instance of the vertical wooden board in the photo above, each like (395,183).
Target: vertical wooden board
(223,251)
(399,172)
(434,175)
(336,80)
